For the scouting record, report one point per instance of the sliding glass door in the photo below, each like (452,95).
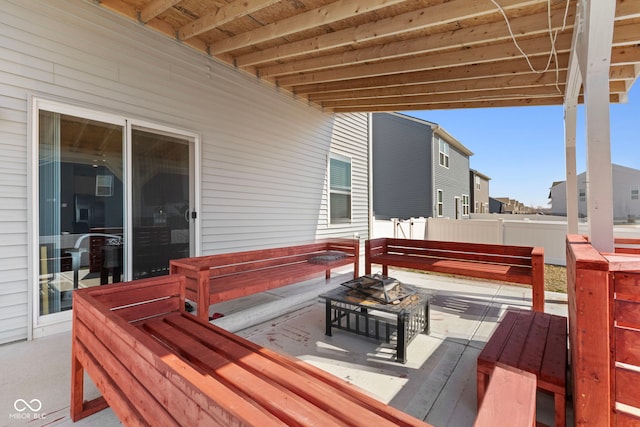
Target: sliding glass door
(161,208)
(115,202)
(81,209)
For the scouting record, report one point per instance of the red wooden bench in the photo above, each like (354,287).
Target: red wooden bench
(215,278)
(515,264)
(155,364)
(158,365)
(510,399)
(625,245)
(533,342)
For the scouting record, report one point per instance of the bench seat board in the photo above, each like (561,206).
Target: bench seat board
(175,369)
(502,272)
(533,342)
(292,396)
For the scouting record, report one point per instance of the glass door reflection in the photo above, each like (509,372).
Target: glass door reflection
(80,165)
(160,201)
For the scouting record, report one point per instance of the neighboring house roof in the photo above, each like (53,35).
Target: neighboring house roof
(480,174)
(613,167)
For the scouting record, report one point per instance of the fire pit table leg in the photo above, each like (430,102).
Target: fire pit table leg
(401,350)
(427,314)
(327,317)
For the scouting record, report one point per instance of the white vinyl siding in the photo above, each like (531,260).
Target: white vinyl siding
(263,180)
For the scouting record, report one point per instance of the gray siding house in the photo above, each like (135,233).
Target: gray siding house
(479,184)
(419,170)
(113,158)
(626,195)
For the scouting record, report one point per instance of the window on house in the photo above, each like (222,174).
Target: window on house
(465,205)
(477,182)
(582,195)
(440,203)
(339,189)
(634,192)
(444,154)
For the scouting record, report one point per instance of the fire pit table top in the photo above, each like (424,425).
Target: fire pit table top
(400,296)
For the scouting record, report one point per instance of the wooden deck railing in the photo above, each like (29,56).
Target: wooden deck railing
(604,334)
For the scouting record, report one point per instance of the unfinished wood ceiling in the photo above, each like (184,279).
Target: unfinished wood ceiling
(394,55)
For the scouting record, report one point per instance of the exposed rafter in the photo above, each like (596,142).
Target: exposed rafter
(392,55)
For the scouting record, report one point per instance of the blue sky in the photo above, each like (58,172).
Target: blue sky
(522,149)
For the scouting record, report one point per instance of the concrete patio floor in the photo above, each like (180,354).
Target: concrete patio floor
(437,384)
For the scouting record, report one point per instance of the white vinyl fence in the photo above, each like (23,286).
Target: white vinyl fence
(548,232)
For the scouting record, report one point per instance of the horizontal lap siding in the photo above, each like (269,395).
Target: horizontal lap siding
(263,153)
(13,194)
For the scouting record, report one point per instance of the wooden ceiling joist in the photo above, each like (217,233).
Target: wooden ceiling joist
(155,8)
(392,55)
(221,16)
(333,12)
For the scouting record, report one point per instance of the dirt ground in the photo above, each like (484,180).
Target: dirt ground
(555,278)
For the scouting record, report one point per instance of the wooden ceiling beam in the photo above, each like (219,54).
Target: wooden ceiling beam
(155,8)
(452,11)
(339,10)
(499,52)
(626,9)
(626,32)
(518,102)
(221,16)
(623,72)
(496,31)
(475,96)
(455,86)
(463,104)
(625,55)
(495,93)
(505,68)
(121,8)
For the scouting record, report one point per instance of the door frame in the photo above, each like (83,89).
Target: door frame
(194,183)
(40,326)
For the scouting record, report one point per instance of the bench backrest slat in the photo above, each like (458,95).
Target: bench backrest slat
(142,298)
(517,264)
(509,250)
(293,253)
(461,254)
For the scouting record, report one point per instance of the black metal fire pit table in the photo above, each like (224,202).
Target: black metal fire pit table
(405,317)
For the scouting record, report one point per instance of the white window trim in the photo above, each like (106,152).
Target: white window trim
(342,158)
(465,205)
(443,154)
(439,203)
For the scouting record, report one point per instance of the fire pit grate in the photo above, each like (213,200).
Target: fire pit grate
(381,288)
